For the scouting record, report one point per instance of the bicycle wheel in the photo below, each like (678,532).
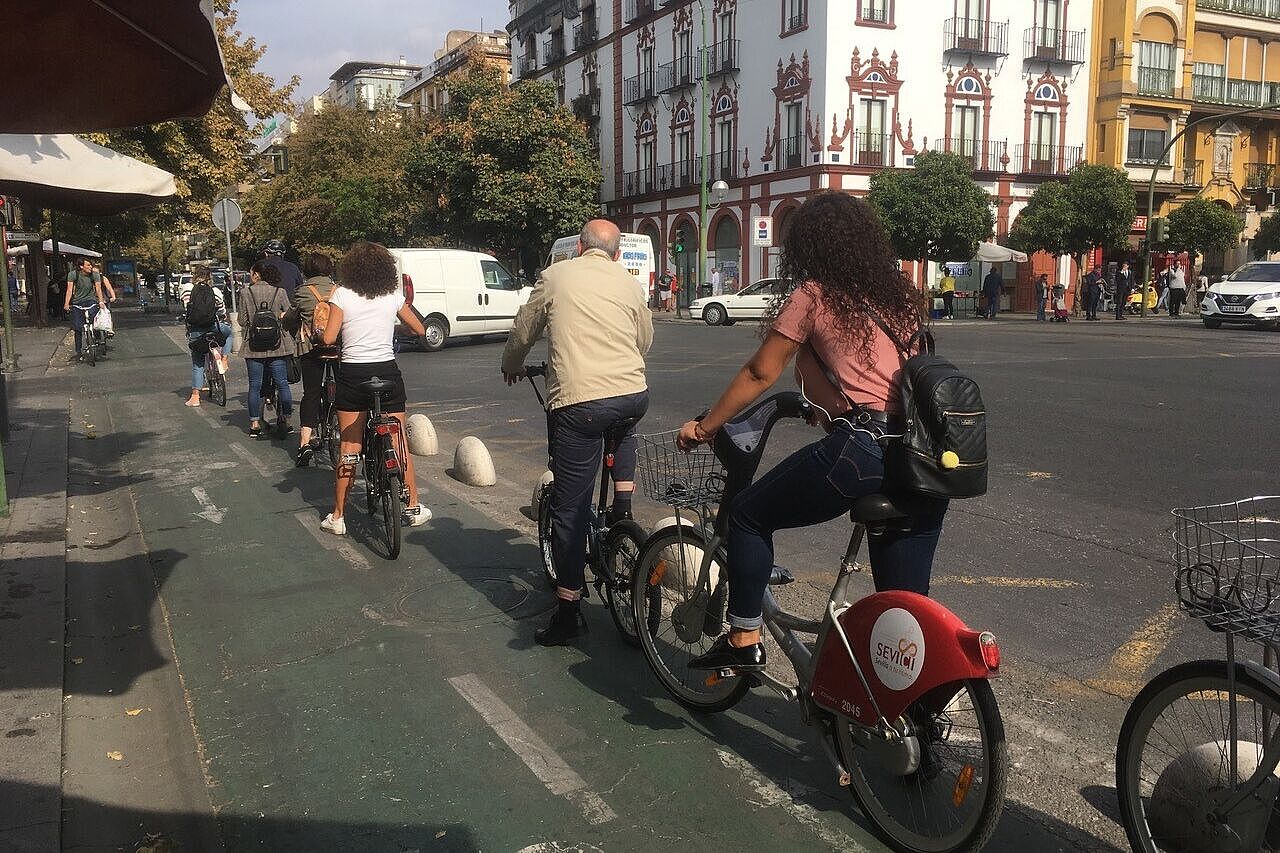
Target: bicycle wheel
(544,534)
(91,347)
(332,438)
(1173,760)
(370,480)
(391,511)
(621,550)
(952,801)
(671,609)
(217,382)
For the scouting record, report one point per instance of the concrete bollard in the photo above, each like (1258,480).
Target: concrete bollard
(422,436)
(472,463)
(692,560)
(546,478)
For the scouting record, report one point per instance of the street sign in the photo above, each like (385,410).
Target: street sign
(22,236)
(762,231)
(227,215)
(1139,223)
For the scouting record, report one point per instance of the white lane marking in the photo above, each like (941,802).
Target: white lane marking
(329,542)
(203,412)
(178,337)
(769,793)
(540,758)
(252,461)
(209,511)
(436,414)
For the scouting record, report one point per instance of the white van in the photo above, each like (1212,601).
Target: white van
(456,292)
(637,256)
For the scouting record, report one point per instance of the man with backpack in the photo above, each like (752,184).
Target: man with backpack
(206,312)
(267,348)
(290,275)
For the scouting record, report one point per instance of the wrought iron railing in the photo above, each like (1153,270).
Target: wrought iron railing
(1256,8)
(1193,173)
(676,75)
(1155,81)
(1259,176)
(722,57)
(637,9)
(976,35)
(1055,45)
(872,148)
(638,89)
(790,152)
(983,155)
(585,33)
(1040,159)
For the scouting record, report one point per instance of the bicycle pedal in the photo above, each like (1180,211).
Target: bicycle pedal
(780,576)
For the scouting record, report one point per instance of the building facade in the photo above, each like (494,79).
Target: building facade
(363,83)
(1163,65)
(463,50)
(804,96)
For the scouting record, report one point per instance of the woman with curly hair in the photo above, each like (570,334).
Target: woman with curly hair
(363,311)
(847,279)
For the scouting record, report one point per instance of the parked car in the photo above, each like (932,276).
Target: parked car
(455,292)
(750,303)
(1249,295)
(637,257)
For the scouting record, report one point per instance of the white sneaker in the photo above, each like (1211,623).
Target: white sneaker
(417,515)
(336,526)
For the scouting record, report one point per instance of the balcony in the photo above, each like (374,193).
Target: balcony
(528,65)
(1193,173)
(721,58)
(1232,91)
(677,75)
(977,36)
(872,149)
(791,152)
(871,12)
(982,156)
(638,89)
(1255,8)
(1048,44)
(637,9)
(555,48)
(798,21)
(1260,176)
(585,34)
(1155,81)
(640,182)
(675,176)
(1047,160)
(723,166)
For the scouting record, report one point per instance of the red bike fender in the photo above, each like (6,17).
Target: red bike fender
(906,646)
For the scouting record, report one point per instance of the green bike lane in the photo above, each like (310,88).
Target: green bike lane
(342,701)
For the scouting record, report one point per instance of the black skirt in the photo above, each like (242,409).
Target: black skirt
(352,398)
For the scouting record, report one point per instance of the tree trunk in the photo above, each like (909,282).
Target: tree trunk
(37,278)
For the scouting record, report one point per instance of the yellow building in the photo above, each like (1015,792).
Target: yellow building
(427,92)
(1161,64)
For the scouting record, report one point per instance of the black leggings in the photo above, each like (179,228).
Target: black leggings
(312,389)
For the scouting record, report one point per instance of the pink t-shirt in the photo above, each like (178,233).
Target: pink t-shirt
(805,319)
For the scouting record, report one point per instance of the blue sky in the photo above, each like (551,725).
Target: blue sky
(311,38)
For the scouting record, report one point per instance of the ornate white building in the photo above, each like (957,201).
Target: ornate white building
(806,95)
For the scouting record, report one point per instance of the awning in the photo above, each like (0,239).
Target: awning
(994,253)
(73,66)
(67,173)
(63,248)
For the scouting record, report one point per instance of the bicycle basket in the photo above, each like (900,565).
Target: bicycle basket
(1228,558)
(670,476)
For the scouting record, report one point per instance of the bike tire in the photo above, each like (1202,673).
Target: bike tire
(665,601)
(543,512)
(391,512)
(622,549)
(974,832)
(91,350)
(217,386)
(1204,680)
(332,438)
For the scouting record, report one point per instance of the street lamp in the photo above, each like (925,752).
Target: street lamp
(718,192)
(1151,185)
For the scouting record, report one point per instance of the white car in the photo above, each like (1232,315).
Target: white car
(1250,295)
(750,303)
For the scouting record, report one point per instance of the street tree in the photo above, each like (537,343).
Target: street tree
(1199,225)
(934,211)
(1103,208)
(1044,225)
(506,169)
(346,182)
(1267,240)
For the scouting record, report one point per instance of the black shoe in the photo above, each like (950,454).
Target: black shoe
(721,655)
(304,456)
(284,427)
(612,516)
(566,624)
(255,431)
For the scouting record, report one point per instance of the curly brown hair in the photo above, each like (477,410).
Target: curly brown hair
(368,269)
(837,242)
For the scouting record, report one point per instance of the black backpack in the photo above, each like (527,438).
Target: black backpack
(202,307)
(265,332)
(943,451)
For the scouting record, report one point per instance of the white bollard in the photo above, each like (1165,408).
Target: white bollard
(422,436)
(472,463)
(546,478)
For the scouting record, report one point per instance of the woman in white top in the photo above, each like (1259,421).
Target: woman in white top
(363,312)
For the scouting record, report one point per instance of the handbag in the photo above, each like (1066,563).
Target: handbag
(293,369)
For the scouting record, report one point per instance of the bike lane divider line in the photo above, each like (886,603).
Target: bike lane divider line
(247,456)
(330,542)
(1125,672)
(541,759)
(1010,582)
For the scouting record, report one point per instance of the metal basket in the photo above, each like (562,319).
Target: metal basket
(1228,558)
(680,480)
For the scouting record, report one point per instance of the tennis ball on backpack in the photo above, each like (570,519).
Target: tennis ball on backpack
(950,459)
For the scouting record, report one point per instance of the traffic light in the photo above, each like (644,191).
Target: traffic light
(679,241)
(1159,229)
(8,211)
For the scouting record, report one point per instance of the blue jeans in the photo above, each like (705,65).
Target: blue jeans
(816,484)
(279,373)
(1041,302)
(81,321)
(197,359)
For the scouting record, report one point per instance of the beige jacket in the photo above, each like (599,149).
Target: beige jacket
(598,330)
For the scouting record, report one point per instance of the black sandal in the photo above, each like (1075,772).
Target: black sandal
(255,431)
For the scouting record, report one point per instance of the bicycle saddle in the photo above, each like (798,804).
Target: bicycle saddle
(377,386)
(876,509)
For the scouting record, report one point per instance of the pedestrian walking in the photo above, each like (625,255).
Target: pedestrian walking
(1177,289)
(1202,288)
(717,282)
(948,288)
(290,275)
(1092,292)
(263,305)
(992,286)
(593,380)
(673,295)
(1162,289)
(664,289)
(312,354)
(206,312)
(1124,284)
(1042,296)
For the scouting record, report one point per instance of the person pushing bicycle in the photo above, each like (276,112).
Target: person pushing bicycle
(849,284)
(598,329)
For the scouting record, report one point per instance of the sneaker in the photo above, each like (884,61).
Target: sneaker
(304,456)
(336,526)
(417,515)
(284,427)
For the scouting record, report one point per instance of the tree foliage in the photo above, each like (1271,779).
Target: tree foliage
(1103,208)
(346,182)
(1044,225)
(1199,225)
(935,210)
(506,169)
(1267,240)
